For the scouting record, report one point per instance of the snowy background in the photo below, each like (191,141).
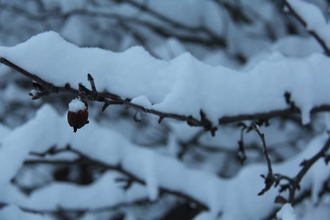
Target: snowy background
(211,63)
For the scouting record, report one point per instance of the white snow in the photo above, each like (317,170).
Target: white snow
(76,105)
(142,101)
(12,212)
(286,213)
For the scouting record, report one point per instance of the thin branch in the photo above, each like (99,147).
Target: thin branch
(293,184)
(269,179)
(47,86)
(265,150)
(306,165)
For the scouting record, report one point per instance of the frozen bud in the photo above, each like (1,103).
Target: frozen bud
(78,114)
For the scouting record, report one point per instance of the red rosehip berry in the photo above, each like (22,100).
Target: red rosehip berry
(77,114)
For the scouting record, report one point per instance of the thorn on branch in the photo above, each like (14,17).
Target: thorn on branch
(327,159)
(288,100)
(213,130)
(248,129)
(303,163)
(160,120)
(91,81)
(105,106)
(298,186)
(269,181)
(284,187)
(38,86)
(287,97)
(262,122)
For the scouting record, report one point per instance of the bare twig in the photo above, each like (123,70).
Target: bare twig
(293,184)
(269,179)
(91,81)
(265,150)
(306,165)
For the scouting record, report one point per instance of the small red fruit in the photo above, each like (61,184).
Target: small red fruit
(78,114)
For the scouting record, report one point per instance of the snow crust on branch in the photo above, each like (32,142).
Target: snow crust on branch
(112,149)
(183,85)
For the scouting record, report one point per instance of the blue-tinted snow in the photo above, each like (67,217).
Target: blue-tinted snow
(286,213)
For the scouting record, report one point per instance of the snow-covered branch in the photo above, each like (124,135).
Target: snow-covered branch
(313,19)
(183,89)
